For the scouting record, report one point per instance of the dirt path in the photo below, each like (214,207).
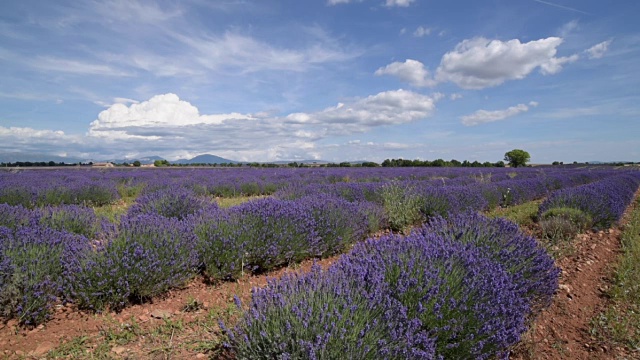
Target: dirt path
(563,331)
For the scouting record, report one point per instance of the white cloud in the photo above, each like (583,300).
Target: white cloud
(411,71)
(34,140)
(554,65)
(400,3)
(160,111)
(597,51)
(422,31)
(486,116)
(455,96)
(169,126)
(479,63)
(568,28)
(233,51)
(48,63)
(385,108)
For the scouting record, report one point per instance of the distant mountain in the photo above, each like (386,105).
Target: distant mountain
(205,159)
(11,157)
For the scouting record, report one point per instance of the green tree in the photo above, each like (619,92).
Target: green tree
(159,163)
(517,157)
(136,163)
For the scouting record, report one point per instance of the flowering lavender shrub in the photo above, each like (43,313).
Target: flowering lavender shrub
(14,194)
(221,243)
(274,232)
(176,202)
(531,269)
(31,270)
(17,216)
(149,255)
(604,200)
(463,299)
(338,223)
(440,201)
(323,315)
(72,218)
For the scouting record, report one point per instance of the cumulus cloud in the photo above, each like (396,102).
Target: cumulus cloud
(479,63)
(412,71)
(455,96)
(486,116)
(597,51)
(169,126)
(422,31)
(385,108)
(166,111)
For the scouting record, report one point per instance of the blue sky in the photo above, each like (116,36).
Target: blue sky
(265,80)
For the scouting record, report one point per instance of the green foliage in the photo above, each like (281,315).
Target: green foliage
(137,163)
(522,214)
(562,224)
(517,157)
(620,323)
(403,206)
(161,163)
(578,217)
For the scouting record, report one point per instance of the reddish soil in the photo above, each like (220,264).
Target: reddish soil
(69,323)
(563,331)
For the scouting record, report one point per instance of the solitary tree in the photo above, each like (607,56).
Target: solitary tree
(517,157)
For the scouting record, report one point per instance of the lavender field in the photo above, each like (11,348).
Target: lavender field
(444,282)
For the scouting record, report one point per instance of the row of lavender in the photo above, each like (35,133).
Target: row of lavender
(457,288)
(599,204)
(34,188)
(168,237)
(411,202)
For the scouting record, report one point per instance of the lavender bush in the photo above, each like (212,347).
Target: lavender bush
(172,202)
(221,243)
(337,223)
(72,218)
(149,255)
(16,216)
(531,269)
(464,300)
(31,270)
(324,315)
(274,232)
(420,296)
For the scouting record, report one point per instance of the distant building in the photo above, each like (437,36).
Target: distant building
(102,164)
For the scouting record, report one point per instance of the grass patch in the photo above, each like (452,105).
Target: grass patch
(523,214)
(620,322)
(112,212)
(227,202)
